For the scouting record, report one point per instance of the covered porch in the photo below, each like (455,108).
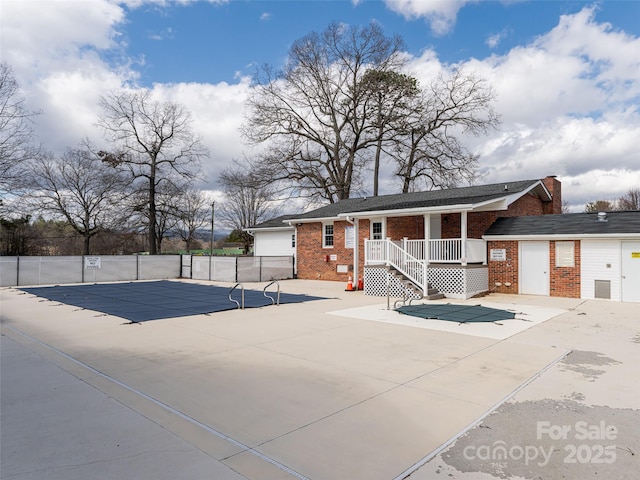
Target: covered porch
(457,251)
(455,267)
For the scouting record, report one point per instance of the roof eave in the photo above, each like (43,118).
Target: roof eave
(268,229)
(562,236)
(293,221)
(406,212)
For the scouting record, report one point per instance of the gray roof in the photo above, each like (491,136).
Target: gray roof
(567,224)
(278,222)
(431,198)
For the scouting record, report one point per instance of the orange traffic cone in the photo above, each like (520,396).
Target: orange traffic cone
(360,283)
(349,285)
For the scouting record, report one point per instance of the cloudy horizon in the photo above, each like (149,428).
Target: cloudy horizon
(567,94)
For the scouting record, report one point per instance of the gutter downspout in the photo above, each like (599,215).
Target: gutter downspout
(295,253)
(356,242)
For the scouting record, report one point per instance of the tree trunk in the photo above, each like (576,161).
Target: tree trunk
(87,239)
(376,166)
(153,247)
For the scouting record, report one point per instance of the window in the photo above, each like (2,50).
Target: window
(376,230)
(565,254)
(327,237)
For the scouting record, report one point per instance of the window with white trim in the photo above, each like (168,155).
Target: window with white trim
(327,235)
(376,231)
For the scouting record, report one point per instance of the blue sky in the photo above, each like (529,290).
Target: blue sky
(207,42)
(566,73)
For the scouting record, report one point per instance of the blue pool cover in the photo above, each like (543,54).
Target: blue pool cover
(457,313)
(143,301)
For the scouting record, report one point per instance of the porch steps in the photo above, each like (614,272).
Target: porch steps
(412,288)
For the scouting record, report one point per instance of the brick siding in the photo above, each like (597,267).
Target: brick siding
(479,222)
(564,281)
(314,262)
(410,227)
(504,271)
(555,188)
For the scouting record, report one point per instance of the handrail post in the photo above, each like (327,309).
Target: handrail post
(264,292)
(241,297)
(387,254)
(425,278)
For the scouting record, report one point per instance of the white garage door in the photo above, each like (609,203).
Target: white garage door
(630,271)
(534,268)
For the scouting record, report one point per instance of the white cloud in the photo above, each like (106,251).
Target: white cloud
(568,100)
(38,36)
(439,14)
(217,112)
(569,105)
(494,39)
(265,16)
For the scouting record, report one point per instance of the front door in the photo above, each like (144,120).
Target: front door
(630,267)
(534,268)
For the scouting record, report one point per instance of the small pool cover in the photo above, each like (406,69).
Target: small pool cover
(457,313)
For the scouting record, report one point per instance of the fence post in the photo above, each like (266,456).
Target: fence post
(82,268)
(18,270)
(260,268)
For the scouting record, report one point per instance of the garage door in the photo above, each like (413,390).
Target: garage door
(534,268)
(630,271)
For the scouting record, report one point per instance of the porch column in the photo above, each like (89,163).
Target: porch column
(356,250)
(427,236)
(463,234)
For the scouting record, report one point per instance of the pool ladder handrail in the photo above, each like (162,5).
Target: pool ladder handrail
(242,296)
(264,292)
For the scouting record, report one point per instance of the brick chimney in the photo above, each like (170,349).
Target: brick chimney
(555,188)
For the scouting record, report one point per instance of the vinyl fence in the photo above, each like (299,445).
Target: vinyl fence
(51,270)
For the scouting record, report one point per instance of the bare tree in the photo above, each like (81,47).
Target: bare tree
(154,142)
(315,114)
(248,201)
(630,200)
(81,190)
(427,146)
(193,213)
(16,133)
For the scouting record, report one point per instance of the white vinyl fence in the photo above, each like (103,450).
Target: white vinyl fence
(52,270)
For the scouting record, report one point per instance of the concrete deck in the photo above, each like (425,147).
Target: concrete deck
(283,392)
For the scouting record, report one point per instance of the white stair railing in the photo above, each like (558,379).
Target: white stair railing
(412,268)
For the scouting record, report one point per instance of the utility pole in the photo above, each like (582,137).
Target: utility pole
(213,206)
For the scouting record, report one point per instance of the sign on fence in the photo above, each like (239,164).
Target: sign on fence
(92,263)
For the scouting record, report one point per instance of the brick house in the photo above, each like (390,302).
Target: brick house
(409,244)
(577,255)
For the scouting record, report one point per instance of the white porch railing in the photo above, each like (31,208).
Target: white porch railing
(448,250)
(391,253)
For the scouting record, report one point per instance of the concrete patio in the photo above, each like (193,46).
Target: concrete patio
(293,391)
